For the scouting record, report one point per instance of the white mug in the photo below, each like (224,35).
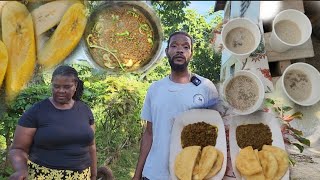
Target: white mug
(300,20)
(246,24)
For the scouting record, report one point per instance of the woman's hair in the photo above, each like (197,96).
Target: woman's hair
(65,70)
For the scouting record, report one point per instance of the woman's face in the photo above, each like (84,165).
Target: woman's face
(63,88)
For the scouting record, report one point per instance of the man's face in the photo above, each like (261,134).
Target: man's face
(179,52)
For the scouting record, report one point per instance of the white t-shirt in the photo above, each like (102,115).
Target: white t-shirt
(166,99)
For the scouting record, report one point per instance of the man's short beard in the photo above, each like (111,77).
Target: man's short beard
(178,67)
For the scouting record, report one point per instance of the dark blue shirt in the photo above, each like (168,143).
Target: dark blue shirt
(62,138)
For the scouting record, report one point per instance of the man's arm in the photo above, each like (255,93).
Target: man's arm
(145,147)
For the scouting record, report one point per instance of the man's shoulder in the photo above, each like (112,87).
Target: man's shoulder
(160,82)
(203,79)
(207,82)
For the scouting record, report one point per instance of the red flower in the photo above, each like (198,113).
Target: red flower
(266,73)
(265,109)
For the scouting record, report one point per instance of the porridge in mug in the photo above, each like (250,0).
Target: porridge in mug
(288,31)
(297,84)
(240,40)
(242,92)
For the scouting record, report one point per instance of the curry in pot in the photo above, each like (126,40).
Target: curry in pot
(121,38)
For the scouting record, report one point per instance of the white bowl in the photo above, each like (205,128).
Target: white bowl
(242,23)
(300,19)
(258,104)
(313,75)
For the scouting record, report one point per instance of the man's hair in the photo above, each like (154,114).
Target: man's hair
(183,33)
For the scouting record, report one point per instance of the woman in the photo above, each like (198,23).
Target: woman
(54,139)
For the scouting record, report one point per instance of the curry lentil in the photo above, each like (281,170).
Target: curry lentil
(199,134)
(255,135)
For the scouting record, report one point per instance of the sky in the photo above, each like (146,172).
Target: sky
(201,6)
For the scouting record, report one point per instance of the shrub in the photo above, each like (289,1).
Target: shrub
(116,103)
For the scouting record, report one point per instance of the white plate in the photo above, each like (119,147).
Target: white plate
(193,116)
(255,118)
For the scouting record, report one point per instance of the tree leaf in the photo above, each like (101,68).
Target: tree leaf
(276,110)
(279,109)
(289,118)
(300,147)
(297,115)
(303,140)
(295,131)
(286,108)
(287,141)
(292,161)
(269,102)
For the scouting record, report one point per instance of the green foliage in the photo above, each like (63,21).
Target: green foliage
(10,117)
(24,101)
(2,143)
(125,166)
(116,103)
(86,72)
(205,62)
(159,71)
(290,134)
(217,17)
(170,13)
(174,17)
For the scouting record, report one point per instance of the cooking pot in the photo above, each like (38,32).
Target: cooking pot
(151,16)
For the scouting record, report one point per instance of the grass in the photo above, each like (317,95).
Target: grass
(123,167)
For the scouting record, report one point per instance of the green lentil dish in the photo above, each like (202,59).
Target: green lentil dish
(255,135)
(199,134)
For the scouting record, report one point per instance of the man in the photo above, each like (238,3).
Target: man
(165,99)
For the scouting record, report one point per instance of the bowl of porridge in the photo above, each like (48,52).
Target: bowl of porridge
(300,82)
(243,92)
(290,28)
(240,36)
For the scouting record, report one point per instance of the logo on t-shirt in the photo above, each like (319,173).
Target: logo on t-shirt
(198,99)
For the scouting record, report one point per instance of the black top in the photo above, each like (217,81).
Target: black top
(62,138)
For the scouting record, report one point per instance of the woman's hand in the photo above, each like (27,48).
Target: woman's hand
(93,177)
(136,178)
(19,175)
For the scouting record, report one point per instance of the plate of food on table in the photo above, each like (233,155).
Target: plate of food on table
(257,148)
(198,147)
